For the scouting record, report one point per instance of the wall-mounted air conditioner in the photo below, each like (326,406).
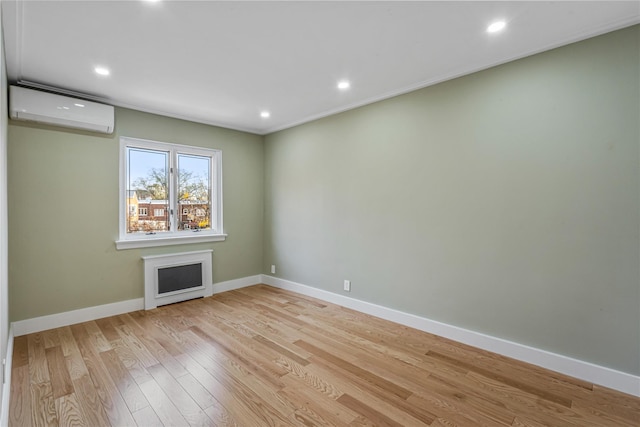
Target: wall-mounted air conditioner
(58,110)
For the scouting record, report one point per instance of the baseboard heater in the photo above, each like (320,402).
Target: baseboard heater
(176,277)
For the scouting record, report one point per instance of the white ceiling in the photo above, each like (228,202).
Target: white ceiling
(222,63)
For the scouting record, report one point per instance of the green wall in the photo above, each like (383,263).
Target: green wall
(63,212)
(505,202)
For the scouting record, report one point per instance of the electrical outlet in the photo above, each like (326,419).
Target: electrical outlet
(273,269)
(347,285)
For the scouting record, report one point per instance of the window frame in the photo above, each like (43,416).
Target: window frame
(173,236)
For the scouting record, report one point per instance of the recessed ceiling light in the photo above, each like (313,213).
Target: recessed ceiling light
(78,105)
(102,71)
(265,114)
(344,84)
(496,26)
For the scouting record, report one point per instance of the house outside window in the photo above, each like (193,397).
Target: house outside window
(180,185)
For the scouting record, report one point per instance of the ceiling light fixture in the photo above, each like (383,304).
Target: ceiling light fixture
(102,71)
(343,85)
(496,27)
(78,105)
(265,114)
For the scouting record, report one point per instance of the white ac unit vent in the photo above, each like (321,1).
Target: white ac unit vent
(58,110)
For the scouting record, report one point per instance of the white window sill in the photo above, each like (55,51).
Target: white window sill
(151,242)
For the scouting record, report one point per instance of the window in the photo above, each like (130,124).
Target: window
(169,179)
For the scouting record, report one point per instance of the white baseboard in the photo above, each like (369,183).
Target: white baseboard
(6,387)
(596,374)
(230,285)
(586,371)
(39,324)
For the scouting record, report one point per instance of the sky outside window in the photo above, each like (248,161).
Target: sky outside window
(142,162)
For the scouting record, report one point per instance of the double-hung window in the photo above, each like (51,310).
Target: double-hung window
(159,182)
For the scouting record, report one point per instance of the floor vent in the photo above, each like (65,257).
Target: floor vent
(176,277)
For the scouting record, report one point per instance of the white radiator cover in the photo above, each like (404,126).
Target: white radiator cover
(152,263)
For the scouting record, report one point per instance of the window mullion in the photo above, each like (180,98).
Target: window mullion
(173,190)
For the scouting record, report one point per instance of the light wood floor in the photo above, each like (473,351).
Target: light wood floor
(260,356)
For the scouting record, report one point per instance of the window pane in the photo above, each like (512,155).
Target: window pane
(194,192)
(147,191)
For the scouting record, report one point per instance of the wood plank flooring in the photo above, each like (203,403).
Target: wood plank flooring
(261,356)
